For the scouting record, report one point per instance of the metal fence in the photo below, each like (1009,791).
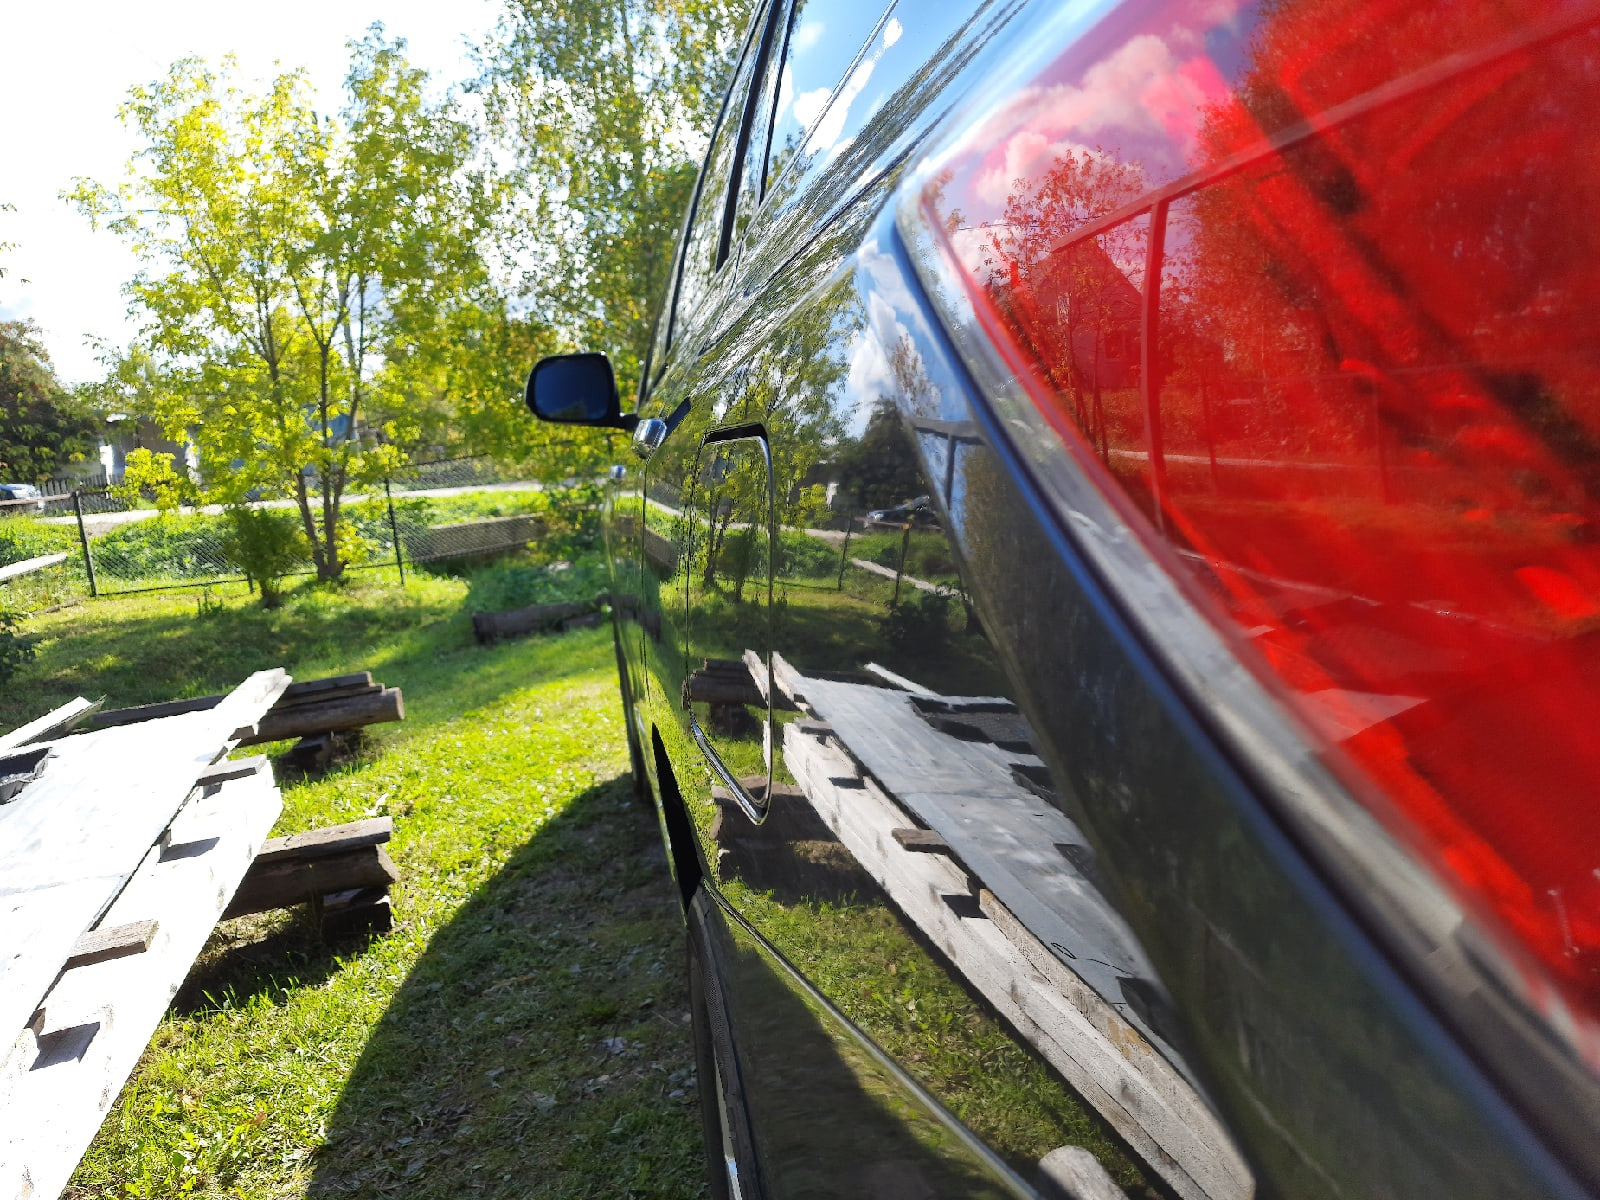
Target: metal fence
(431,511)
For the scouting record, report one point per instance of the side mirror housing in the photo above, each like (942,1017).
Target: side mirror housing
(577,389)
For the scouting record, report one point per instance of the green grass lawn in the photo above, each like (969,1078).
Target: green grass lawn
(522,1032)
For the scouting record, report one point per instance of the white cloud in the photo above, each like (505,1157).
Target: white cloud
(808,106)
(807,35)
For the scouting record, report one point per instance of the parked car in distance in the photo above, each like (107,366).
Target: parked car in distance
(918,512)
(1205,807)
(23,497)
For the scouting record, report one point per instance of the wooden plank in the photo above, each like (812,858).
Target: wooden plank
(113,717)
(70,841)
(302,701)
(52,1104)
(111,941)
(279,883)
(335,839)
(29,565)
(921,841)
(326,686)
(1185,1145)
(232,768)
(899,681)
(352,712)
(57,720)
(1072,1173)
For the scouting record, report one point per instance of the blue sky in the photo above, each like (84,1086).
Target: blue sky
(65,66)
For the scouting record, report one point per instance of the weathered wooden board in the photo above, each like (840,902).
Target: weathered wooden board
(71,840)
(333,839)
(1149,1104)
(1006,835)
(55,721)
(29,565)
(64,1073)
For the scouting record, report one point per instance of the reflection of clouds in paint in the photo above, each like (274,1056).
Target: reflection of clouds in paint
(869,377)
(827,136)
(807,35)
(1151,92)
(808,106)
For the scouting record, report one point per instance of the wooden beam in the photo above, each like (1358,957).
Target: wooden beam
(335,839)
(279,883)
(486,627)
(231,768)
(310,691)
(29,565)
(1072,1173)
(922,841)
(350,712)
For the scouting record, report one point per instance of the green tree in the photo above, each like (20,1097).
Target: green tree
(43,427)
(605,109)
(288,259)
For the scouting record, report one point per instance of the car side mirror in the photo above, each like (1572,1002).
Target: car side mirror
(577,389)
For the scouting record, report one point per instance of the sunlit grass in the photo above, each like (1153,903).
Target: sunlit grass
(523,1031)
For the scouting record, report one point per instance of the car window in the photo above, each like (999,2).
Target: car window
(822,41)
(828,94)
(706,244)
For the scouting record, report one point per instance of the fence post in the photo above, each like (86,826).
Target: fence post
(905,544)
(394,532)
(83,540)
(844,551)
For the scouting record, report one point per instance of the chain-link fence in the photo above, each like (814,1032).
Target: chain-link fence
(431,511)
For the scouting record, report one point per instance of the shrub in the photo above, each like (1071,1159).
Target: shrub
(918,626)
(508,585)
(805,557)
(15,649)
(266,544)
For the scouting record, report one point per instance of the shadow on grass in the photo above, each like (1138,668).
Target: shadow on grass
(239,964)
(541,1046)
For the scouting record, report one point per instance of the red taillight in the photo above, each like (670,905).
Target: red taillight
(1318,289)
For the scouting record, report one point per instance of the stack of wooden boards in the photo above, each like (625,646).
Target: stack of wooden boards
(312,711)
(490,627)
(114,866)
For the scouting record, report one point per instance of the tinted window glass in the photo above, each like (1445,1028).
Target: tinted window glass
(706,244)
(818,120)
(824,39)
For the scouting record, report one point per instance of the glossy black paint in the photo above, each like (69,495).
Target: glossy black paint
(825,703)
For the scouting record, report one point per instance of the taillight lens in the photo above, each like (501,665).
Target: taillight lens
(1318,288)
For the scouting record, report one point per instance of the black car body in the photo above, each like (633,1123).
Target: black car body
(1217,772)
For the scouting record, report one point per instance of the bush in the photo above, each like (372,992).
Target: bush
(918,627)
(15,649)
(266,544)
(22,538)
(805,557)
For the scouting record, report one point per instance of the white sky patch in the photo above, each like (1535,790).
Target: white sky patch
(808,34)
(69,66)
(808,106)
(892,32)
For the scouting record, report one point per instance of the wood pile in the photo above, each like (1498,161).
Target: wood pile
(342,870)
(309,711)
(489,627)
(118,857)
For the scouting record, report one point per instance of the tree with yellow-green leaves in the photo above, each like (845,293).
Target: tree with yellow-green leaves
(291,261)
